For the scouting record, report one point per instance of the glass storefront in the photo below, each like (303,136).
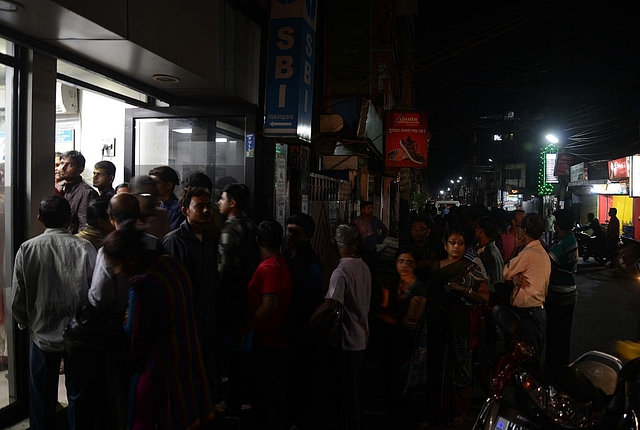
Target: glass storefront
(7,377)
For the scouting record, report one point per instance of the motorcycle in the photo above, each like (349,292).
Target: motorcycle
(592,246)
(592,393)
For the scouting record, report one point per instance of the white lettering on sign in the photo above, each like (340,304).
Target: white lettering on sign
(285,34)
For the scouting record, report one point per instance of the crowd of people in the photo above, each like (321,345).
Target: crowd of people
(209,312)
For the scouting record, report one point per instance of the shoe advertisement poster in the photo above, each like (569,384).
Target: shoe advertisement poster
(407,141)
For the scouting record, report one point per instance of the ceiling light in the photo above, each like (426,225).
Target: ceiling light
(10,6)
(221,139)
(182,130)
(165,79)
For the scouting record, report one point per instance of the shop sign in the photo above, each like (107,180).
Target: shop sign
(550,168)
(578,172)
(563,164)
(612,188)
(406,142)
(290,69)
(618,169)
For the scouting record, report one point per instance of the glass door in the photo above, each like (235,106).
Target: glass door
(219,145)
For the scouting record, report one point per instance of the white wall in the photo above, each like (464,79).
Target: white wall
(101,120)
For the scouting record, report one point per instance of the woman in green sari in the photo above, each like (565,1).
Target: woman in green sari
(457,285)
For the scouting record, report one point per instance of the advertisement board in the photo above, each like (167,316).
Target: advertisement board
(406,139)
(618,169)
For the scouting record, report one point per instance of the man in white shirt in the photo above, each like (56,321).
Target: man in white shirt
(51,277)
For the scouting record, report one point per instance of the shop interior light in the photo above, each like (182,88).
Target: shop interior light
(221,139)
(183,130)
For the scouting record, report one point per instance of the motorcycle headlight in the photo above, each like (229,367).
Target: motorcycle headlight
(561,408)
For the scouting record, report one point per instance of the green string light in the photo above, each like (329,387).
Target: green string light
(544,188)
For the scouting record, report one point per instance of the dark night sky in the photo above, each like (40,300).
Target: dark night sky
(576,62)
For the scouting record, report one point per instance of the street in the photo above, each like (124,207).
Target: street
(607,310)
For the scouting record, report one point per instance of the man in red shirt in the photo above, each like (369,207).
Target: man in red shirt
(269,295)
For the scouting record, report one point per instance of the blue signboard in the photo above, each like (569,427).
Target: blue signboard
(290,69)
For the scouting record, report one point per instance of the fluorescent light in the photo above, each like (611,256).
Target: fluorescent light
(221,139)
(182,130)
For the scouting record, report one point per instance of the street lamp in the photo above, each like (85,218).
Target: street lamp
(552,138)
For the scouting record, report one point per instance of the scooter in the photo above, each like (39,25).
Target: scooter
(592,393)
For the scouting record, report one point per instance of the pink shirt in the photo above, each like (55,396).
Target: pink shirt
(530,271)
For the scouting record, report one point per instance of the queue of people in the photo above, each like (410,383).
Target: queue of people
(211,317)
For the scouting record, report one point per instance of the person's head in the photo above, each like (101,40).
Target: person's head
(97,214)
(420,229)
(125,250)
(347,237)
(123,188)
(300,229)
(405,261)
(565,219)
(455,244)
(195,203)
(517,217)
(366,207)
(57,164)
(143,184)
(590,216)
(165,179)
(104,172)
(533,225)
(486,227)
(123,207)
(269,234)
(71,166)
(145,190)
(234,199)
(198,179)
(54,212)
(613,212)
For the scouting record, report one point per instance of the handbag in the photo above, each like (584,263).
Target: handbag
(90,328)
(326,322)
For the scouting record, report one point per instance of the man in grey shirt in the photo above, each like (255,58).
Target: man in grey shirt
(51,277)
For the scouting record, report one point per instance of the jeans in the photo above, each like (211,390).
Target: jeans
(43,387)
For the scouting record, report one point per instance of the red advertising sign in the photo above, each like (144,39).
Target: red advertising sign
(406,142)
(618,169)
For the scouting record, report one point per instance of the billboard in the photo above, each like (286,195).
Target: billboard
(406,139)
(290,69)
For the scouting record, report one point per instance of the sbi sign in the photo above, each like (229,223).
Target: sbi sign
(290,69)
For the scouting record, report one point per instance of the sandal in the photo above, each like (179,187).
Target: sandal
(457,421)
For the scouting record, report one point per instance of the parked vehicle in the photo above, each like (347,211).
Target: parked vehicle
(591,394)
(628,256)
(592,246)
